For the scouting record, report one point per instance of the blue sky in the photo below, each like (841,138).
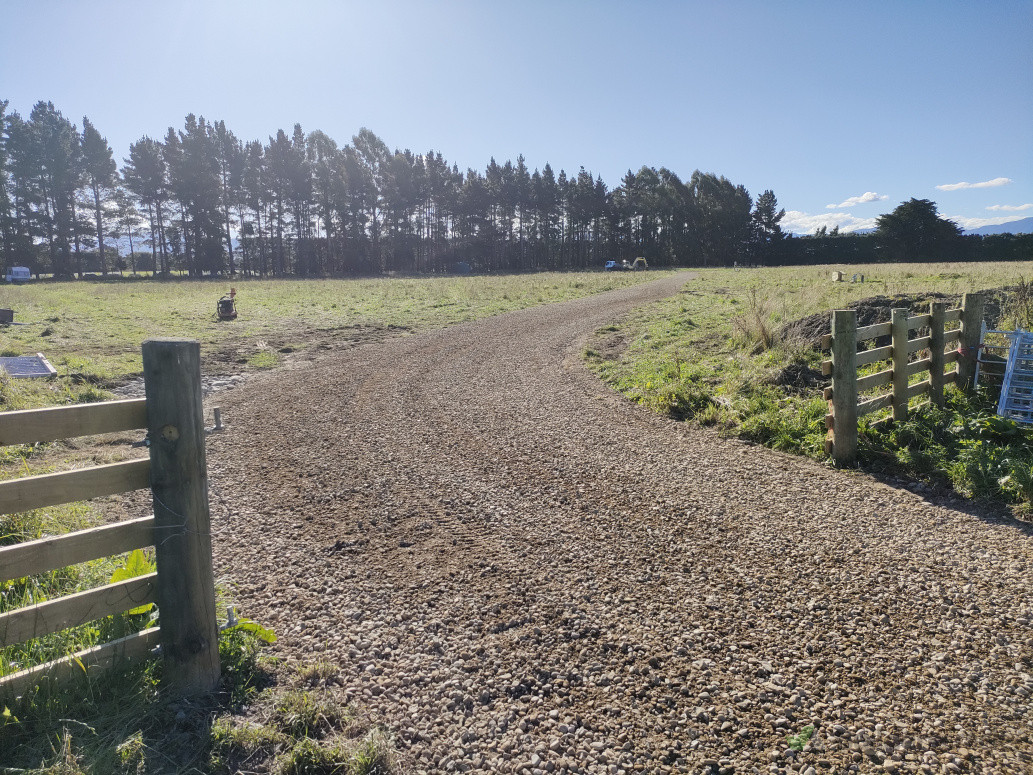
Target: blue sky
(843,109)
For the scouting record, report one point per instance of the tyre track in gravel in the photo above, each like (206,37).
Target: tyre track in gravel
(519,571)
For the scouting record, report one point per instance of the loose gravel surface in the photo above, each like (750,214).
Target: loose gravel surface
(517,570)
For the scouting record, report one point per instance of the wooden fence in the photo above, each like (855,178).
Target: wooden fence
(901,355)
(176,472)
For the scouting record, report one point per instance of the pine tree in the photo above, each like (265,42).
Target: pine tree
(277,181)
(6,200)
(101,173)
(372,178)
(50,163)
(126,222)
(721,219)
(230,157)
(767,234)
(254,195)
(324,160)
(145,174)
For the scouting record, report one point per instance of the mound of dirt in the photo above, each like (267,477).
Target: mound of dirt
(876,309)
(799,378)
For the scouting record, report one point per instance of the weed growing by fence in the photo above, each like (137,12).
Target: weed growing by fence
(266,717)
(963,443)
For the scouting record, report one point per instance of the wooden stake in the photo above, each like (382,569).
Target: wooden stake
(938,316)
(968,346)
(898,322)
(844,386)
(179,482)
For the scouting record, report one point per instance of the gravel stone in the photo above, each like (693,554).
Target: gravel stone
(522,554)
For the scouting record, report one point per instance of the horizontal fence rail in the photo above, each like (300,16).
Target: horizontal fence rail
(131,648)
(30,426)
(37,492)
(846,398)
(53,552)
(41,619)
(183,586)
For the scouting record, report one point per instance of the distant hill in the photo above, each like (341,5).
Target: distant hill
(1022,226)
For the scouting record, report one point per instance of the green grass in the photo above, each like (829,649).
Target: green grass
(714,354)
(266,717)
(302,730)
(92,331)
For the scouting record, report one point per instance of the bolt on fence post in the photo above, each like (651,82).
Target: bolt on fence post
(968,346)
(844,386)
(899,334)
(179,484)
(937,319)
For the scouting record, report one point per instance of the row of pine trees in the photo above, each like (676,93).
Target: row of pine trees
(203,201)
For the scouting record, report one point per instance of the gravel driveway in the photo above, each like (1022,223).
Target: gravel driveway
(520,571)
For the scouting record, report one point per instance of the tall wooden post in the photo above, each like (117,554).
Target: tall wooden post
(179,483)
(937,319)
(899,334)
(971,328)
(844,386)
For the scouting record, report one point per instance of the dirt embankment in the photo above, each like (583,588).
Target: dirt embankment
(519,571)
(876,309)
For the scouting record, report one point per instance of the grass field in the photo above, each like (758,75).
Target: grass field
(91,332)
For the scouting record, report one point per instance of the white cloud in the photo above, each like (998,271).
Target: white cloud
(867,196)
(985,184)
(799,222)
(1011,208)
(975,223)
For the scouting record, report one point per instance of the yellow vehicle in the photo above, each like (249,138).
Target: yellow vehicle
(627,266)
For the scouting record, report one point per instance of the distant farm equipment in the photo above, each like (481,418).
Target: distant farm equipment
(226,307)
(625,265)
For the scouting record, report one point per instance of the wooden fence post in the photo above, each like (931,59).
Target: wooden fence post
(968,346)
(899,334)
(179,483)
(937,319)
(844,386)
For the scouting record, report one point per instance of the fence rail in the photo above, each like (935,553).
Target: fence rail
(176,473)
(844,396)
(37,492)
(53,552)
(66,422)
(137,646)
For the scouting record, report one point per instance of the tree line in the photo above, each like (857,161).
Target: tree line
(203,201)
